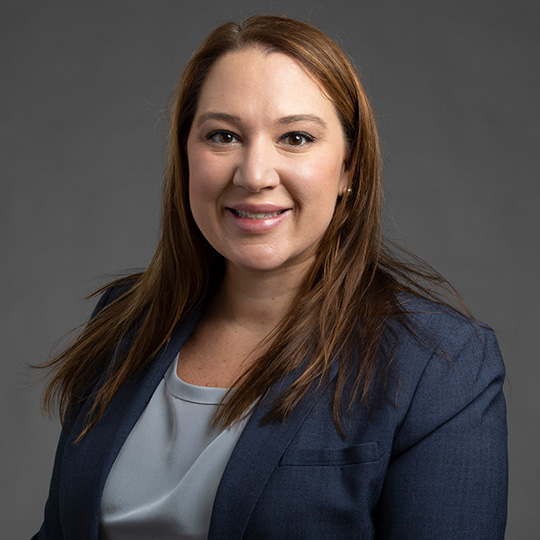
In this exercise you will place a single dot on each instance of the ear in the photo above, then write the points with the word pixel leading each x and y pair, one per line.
pixel 343 181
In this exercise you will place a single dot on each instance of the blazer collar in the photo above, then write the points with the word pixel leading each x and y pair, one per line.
pixel 86 465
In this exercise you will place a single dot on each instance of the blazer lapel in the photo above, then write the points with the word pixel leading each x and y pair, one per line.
pixel 253 460
pixel 86 465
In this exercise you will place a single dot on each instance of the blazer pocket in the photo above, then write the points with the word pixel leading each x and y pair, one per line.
pixel 349 455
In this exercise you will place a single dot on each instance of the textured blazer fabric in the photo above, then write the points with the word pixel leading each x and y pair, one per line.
pixel 431 464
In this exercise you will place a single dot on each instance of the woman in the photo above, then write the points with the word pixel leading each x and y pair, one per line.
pixel 275 373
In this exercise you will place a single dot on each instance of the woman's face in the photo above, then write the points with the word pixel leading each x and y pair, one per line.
pixel 266 155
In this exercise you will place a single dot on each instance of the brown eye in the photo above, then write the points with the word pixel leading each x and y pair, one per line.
pixel 297 138
pixel 222 137
pixel 225 138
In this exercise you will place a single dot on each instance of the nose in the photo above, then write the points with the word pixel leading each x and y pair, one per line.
pixel 257 167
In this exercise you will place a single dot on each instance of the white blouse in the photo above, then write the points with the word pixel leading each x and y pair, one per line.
pixel 164 480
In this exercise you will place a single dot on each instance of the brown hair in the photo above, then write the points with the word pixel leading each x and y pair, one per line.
pixel 345 302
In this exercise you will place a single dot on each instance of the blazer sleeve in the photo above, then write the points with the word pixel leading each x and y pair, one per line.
pixel 447 477
pixel 51 527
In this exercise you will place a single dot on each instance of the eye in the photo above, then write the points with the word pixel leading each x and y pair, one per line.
pixel 222 137
pixel 297 138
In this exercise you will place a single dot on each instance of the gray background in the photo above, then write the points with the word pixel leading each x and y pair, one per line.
pixel 83 88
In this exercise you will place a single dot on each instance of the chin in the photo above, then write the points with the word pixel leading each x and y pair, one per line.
pixel 258 266
pixel 271 262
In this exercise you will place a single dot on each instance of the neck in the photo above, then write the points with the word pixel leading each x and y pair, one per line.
pixel 256 300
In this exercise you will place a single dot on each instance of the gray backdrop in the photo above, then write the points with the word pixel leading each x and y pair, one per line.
pixel 83 87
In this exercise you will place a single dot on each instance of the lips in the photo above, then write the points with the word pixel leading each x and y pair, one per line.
pixel 257 218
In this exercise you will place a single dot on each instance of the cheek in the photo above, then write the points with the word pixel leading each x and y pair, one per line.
pixel 205 179
pixel 319 183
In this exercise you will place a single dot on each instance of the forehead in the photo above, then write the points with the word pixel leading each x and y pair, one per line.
pixel 256 80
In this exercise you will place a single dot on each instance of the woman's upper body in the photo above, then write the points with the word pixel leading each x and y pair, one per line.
pixel 373 412
pixel 430 465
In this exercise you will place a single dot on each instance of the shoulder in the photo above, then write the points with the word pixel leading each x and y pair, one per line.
pixel 437 330
pixel 113 291
pixel 439 319
pixel 450 366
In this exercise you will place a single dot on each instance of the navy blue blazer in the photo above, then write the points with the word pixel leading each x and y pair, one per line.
pixel 431 466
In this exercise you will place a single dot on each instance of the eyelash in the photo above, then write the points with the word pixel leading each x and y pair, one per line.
pixel 213 135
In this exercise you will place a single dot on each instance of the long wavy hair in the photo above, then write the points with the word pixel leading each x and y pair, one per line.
pixel 344 305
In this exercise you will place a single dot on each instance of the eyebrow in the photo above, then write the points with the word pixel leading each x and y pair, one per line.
pixel 302 118
pixel 291 119
pixel 217 116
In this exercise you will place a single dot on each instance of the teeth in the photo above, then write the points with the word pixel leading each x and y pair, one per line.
pixel 256 215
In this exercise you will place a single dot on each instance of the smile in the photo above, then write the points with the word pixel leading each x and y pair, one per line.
pixel 256 215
